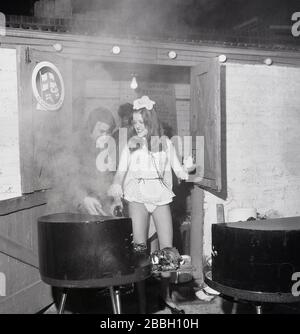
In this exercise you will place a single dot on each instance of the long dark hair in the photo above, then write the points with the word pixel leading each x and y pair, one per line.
pixel 100 115
pixel 156 140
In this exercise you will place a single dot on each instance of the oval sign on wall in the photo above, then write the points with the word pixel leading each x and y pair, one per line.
pixel 48 86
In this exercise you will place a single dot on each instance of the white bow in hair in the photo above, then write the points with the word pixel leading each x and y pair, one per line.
pixel 143 102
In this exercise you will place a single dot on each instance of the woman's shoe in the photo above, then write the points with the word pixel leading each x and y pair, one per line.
pixel 173 310
pixel 207 294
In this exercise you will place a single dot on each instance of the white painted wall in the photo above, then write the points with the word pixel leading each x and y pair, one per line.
pixel 10 180
pixel 263 143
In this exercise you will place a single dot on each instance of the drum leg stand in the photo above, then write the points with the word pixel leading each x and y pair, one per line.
pixel 234 306
pixel 142 296
pixel 258 308
pixel 62 302
pixel 115 297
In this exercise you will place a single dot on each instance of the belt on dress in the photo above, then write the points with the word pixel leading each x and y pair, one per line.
pixel 140 179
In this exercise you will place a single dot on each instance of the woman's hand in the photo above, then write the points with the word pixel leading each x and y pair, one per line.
pixel 115 190
pixel 183 175
pixel 117 208
pixel 93 206
pixel 188 164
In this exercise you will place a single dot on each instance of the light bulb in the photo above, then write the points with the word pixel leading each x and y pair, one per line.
pixel 222 58
pixel 58 47
pixel 172 54
pixel 268 61
pixel 116 50
pixel 133 84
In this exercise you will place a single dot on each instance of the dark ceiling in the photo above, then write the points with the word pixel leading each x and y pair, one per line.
pixel 215 14
pixel 179 18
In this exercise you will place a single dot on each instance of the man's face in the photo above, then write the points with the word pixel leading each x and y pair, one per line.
pixel 100 130
pixel 125 122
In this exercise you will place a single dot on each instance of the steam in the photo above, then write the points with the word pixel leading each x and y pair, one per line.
pixel 68 155
pixel 73 154
pixel 129 17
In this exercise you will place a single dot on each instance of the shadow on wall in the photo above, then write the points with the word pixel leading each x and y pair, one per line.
pixel 180 211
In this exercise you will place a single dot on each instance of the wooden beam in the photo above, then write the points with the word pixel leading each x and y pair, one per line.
pixel 189 53
pixel 18 252
pixel 25 122
pixel 29 300
pixel 21 203
pixel 196 236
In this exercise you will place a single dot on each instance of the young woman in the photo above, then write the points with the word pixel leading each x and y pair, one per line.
pixel 144 179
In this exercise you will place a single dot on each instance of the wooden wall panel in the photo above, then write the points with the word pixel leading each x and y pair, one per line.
pixel 34 215
pixel 25 293
pixel 26 300
pixel 51 128
pixel 18 274
pixel 19 225
pixel 206 121
pixel 25 122
pixel 183 117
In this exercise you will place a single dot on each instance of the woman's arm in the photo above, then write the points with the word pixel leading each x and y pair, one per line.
pixel 115 189
pixel 180 171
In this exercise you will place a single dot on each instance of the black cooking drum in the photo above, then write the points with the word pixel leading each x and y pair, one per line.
pixel 84 248
pixel 258 256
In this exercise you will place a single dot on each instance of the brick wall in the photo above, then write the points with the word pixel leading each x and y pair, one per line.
pixel 263 142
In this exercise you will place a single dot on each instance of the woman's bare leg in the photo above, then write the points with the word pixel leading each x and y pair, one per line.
pixel 153 244
pixel 140 222
pixel 164 225
pixel 140 226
